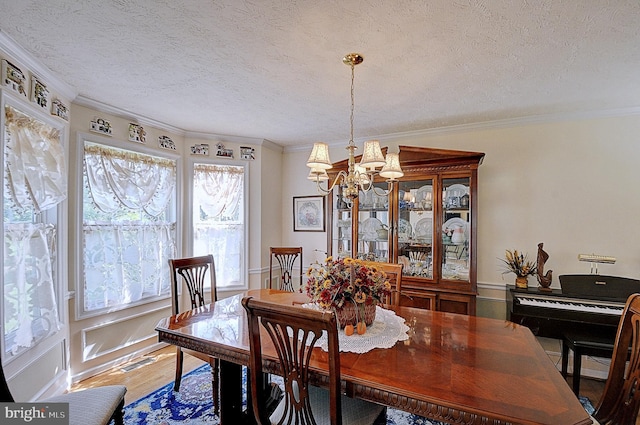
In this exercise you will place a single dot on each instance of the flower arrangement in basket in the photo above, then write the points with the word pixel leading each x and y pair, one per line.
pixel 350 287
pixel 519 264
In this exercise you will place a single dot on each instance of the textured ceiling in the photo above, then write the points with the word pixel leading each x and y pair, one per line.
pixel 273 69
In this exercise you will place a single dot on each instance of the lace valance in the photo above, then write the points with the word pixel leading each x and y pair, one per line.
pixel 36 170
pixel 218 190
pixel 123 178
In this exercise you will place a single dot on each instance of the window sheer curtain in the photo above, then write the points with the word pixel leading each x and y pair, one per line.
pixel 126 246
pixel 218 216
pixel 36 170
pixel 35 177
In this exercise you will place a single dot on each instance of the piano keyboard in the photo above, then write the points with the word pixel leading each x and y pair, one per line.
pixel 602 307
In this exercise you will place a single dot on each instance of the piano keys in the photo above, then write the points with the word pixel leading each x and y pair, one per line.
pixel 569 304
pixel 589 304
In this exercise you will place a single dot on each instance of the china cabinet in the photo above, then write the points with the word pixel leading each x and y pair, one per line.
pixel 427 222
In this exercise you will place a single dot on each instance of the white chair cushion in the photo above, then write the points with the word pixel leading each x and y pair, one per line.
pixel 354 411
pixel 92 406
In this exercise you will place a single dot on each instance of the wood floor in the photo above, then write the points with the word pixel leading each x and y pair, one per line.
pixel 160 369
pixel 154 371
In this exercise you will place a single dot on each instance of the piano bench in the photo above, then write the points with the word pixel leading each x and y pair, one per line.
pixel 583 345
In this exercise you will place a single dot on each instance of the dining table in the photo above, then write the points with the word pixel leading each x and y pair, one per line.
pixel 454 368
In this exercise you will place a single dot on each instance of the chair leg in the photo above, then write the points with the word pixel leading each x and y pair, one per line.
pixel 215 384
pixel 179 359
pixel 118 415
pixel 577 364
pixel 382 418
pixel 565 358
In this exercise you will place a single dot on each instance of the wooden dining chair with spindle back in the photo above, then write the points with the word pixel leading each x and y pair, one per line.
pixel 195 273
pixel 286 258
pixel 294 332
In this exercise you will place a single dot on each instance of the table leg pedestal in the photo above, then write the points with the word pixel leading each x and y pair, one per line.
pixel 231 412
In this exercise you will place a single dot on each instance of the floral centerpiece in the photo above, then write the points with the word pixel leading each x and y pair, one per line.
pixel 350 287
pixel 517 263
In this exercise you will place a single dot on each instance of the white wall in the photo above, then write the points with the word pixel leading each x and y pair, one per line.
pixel 295 183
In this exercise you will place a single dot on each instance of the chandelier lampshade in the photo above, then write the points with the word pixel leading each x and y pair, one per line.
pixel 372 155
pixel 391 169
pixel 318 174
pixel 319 158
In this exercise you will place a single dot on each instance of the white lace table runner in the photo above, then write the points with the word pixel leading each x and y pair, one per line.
pixel 385 331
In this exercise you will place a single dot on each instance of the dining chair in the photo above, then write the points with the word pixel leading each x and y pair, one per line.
pixel 394 274
pixel 194 272
pixel 620 400
pixel 294 331
pixel 286 258
pixel 96 406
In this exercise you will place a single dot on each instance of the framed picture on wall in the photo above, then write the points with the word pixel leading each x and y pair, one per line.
pixel 308 213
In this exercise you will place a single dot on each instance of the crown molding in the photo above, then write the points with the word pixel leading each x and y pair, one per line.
pixel 514 122
pixel 16 53
pixel 273 146
pixel 488 125
pixel 122 113
pixel 225 138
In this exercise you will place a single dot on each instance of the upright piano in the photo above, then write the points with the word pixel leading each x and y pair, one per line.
pixel 586 303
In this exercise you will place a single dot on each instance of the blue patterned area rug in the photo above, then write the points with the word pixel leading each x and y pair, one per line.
pixel 193 405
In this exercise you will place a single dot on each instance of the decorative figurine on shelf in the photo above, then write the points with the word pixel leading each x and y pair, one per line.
pixel 137 133
pixel 223 152
pixel 543 279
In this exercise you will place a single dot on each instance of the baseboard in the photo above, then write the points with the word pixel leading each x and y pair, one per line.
pixel 117 362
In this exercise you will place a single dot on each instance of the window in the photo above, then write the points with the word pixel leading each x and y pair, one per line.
pixel 219 222
pixel 128 228
pixel 34 183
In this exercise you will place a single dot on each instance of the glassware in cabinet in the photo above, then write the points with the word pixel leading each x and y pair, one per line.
pixel 342 233
pixel 373 225
pixel 456 230
pixel 415 227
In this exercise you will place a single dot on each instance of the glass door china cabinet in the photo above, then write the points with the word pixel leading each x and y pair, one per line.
pixel 427 222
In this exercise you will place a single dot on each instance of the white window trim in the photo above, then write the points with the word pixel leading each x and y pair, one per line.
pixel 78 190
pixel 62 275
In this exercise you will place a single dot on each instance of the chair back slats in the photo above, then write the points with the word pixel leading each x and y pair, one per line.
pixel 194 279
pixel 295 355
pixel 286 258
pixel 294 332
pixel 194 272
pixel 620 399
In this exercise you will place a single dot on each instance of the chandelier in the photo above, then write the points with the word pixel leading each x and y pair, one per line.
pixel 358 176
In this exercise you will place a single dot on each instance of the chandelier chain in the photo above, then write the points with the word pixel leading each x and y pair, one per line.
pixel 352 104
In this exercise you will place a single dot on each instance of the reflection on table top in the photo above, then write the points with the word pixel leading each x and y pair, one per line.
pixel 451 365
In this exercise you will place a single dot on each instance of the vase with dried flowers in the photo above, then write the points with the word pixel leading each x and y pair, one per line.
pixel 349 287
pixel 518 263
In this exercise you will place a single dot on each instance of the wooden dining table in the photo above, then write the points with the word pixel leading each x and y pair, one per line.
pixel 453 368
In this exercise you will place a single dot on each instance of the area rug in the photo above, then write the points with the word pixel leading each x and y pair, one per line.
pixel 193 405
